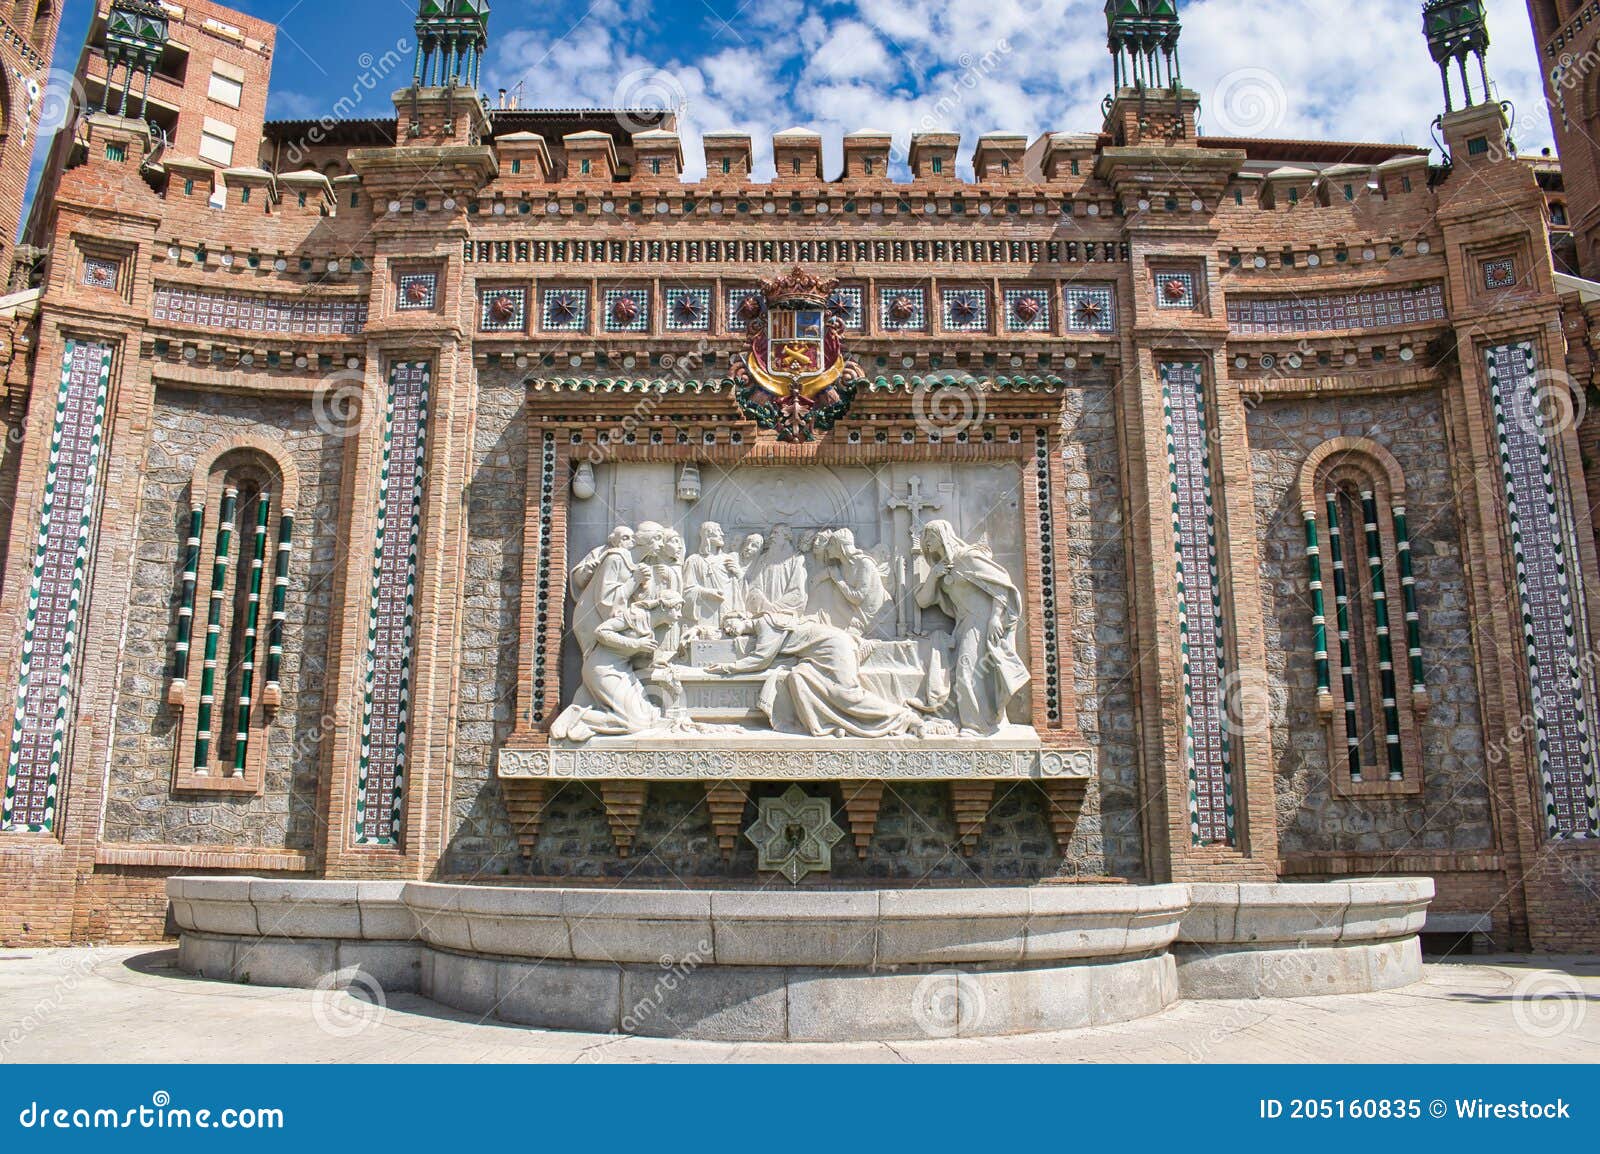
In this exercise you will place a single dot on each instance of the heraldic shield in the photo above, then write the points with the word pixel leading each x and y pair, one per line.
pixel 795 379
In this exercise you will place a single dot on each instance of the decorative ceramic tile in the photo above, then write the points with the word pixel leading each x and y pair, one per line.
pixel 1328 312
pixel 1045 503
pixel 688 310
pixel 258 314
pixel 1500 273
pixel 564 310
pixel 1200 622
pixel 50 627
pixel 966 310
pixel 744 305
pixel 1548 588
pixel 503 310
pixel 1175 290
pixel 902 309
pixel 1090 309
pixel 419 292
pixel 1027 310
pixel 627 310
pixel 547 503
pixel 391 622
pixel 100 273
pixel 845 303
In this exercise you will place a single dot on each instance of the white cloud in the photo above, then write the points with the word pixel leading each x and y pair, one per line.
pixel 1291 68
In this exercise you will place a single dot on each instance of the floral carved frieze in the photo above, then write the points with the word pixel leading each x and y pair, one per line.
pixel 821 761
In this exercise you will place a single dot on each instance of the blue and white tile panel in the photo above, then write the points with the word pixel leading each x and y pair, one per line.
pixel 1548 589
pixel 1336 312
pixel 391 625
pixel 1200 621
pixel 55 595
pixel 299 316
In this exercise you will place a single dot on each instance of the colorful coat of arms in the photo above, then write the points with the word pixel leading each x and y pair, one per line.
pixel 796 379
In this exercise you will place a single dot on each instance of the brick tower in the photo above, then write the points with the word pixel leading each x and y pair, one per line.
pixel 196 77
pixel 1567 38
pixel 27 40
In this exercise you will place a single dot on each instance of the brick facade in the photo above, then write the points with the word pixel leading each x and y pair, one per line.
pixel 1333 312
pixel 211 83
pixel 29 104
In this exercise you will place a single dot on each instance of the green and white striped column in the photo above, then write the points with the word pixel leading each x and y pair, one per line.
pixel 1380 618
pixel 191 570
pixel 252 619
pixel 1319 608
pixel 1347 668
pixel 280 597
pixel 208 671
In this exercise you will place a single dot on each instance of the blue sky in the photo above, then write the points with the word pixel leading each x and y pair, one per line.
pixel 1279 68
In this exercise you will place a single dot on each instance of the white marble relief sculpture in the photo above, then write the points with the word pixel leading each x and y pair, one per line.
pixel 850 588
pixel 968 584
pixel 778 585
pixel 804 629
pixel 602 585
pixel 710 578
pixel 613 698
pixel 821 692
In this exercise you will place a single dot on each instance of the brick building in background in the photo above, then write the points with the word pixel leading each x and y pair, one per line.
pixel 27 42
pixel 1309 574
pixel 1567 38
pixel 205 102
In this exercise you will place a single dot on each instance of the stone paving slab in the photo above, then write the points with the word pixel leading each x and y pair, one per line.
pixel 131 1004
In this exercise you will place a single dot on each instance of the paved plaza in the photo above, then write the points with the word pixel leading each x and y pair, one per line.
pixel 131 1004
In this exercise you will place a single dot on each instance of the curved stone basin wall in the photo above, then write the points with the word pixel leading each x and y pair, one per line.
pixel 807 965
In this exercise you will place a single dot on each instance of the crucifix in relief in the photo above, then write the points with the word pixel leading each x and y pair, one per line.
pixel 914 503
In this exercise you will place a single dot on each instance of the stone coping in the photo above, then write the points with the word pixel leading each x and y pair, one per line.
pixel 806 965
pixel 1306 913
pixel 851 928
pixel 1014 755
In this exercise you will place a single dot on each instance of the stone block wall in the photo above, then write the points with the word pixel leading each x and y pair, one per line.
pixel 481 838
pixel 915 838
pixel 1109 838
pixel 1453 812
pixel 142 807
